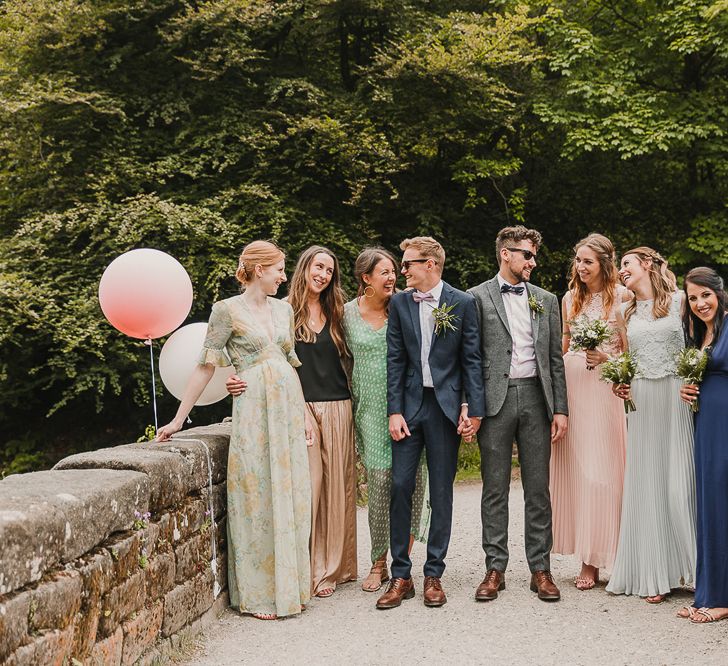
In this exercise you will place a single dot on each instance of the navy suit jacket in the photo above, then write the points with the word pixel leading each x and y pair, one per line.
pixel 455 357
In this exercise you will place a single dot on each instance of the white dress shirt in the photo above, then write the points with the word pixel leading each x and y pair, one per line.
pixel 523 352
pixel 427 328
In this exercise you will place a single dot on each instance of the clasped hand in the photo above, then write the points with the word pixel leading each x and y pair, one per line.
pixel 689 393
pixel 468 426
pixel 594 357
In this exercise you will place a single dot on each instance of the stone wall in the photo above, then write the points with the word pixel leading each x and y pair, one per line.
pixel 106 559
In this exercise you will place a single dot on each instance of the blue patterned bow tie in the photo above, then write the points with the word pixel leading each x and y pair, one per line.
pixel 420 296
pixel 505 288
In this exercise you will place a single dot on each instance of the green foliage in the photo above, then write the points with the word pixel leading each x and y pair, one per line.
pixel 150 432
pixel 468 462
pixel 20 456
pixel 195 127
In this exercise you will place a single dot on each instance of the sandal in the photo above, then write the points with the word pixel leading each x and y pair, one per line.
pixel 583 583
pixel 687 612
pixel 657 598
pixel 707 614
pixel 265 616
pixel 326 592
pixel 379 569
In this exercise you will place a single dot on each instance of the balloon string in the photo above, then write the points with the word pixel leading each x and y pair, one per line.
pixel 148 342
pixel 216 589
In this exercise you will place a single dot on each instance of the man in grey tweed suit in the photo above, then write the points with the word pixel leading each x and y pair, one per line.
pixel 525 396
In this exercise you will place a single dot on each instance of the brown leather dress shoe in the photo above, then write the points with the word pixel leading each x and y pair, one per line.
pixel 542 582
pixel 434 594
pixel 493 582
pixel 397 590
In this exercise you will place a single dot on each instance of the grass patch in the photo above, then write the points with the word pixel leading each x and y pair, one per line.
pixel 468 462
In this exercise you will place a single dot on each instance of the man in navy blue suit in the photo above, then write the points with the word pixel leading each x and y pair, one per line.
pixel 434 391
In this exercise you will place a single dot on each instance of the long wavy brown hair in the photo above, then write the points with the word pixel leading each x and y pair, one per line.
pixel 365 263
pixel 332 300
pixel 662 279
pixel 607 257
pixel 695 328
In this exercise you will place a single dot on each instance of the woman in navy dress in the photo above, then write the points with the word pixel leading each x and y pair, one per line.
pixel 705 328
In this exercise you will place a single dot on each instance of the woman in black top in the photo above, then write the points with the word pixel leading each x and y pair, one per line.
pixel 318 309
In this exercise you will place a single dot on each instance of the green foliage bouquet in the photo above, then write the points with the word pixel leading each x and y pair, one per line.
pixel 621 370
pixel 691 364
pixel 587 335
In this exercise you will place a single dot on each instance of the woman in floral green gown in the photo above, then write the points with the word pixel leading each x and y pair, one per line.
pixel 365 326
pixel 268 484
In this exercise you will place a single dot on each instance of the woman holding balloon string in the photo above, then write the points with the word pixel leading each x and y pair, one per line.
pixel 268 484
pixel 317 300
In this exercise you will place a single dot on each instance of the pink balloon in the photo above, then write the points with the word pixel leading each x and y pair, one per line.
pixel 145 293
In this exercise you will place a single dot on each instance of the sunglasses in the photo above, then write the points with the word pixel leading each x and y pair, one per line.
pixel 527 254
pixel 406 264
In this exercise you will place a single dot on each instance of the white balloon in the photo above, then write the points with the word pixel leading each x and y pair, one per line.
pixel 178 359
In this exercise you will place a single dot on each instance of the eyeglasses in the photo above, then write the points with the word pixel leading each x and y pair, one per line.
pixel 527 254
pixel 407 263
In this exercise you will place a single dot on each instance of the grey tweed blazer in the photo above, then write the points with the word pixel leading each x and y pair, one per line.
pixel 496 346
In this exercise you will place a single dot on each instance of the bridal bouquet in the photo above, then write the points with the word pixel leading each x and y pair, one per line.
pixel 621 370
pixel 587 335
pixel 691 363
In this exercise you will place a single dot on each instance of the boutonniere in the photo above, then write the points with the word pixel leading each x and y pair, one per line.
pixel 444 319
pixel 536 305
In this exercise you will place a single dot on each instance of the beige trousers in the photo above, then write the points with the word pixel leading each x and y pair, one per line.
pixel 332 463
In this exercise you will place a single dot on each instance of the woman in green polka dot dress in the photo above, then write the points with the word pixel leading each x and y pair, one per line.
pixel 365 327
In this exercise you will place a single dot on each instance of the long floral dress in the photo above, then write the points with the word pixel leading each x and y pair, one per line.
pixel 268 483
pixel 369 392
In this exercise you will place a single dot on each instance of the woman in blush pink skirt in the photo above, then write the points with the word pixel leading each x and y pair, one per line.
pixel 587 467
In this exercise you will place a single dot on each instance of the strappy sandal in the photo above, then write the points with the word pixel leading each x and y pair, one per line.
pixel 708 615
pixel 687 612
pixel 657 598
pixel 265 616
pixel 584 583
pixel 378 568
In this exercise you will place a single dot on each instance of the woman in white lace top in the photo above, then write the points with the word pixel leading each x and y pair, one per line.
pixel 657 549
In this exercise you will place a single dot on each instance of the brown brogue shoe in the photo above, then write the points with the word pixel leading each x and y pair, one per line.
pixel 397 590
pixel 434 594
pixel 493 582
pixel 542 582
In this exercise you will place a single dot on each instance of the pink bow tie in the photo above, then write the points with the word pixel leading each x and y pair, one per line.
pixel 420 296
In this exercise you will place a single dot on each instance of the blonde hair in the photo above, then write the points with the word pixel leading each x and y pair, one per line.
pixel 603 248
pixel 332 300
pixel 427 246
pixel 258 253
pixel 662 279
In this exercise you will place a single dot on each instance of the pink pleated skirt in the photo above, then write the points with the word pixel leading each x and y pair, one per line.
pixel 587 469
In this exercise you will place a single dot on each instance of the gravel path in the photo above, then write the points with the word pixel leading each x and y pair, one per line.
pixel 583 628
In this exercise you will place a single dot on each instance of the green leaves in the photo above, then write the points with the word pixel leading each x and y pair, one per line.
pixel 194 127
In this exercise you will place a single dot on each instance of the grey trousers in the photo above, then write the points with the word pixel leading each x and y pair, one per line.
pixel 523 419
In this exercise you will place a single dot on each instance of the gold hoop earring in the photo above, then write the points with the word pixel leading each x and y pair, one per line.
pixel 366 290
